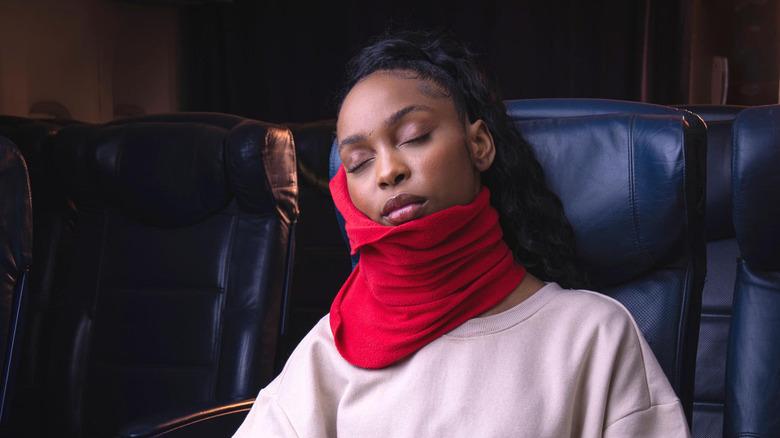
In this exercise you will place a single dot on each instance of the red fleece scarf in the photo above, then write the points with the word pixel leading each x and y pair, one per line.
pixel 418 280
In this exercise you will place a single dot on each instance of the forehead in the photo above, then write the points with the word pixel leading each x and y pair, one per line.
pixel 375 98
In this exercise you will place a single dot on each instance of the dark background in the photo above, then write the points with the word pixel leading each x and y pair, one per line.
pixel 282 61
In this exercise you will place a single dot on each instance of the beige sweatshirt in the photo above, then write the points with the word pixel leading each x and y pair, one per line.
pixel 562 363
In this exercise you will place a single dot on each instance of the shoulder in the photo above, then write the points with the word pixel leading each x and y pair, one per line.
pixel 585 306
pixel 639 390
pixel 588 298
pixel 316 350
pixel 302 397
pixel 606 324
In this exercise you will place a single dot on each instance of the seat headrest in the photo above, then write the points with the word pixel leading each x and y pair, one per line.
pixel 756 179
pixel 527 109
pixel 719 120
pixel 15 213
pixel 719 193
pixel 621 179
pixel 714 113
pixel 312 147
pixel 27 134
pixel 178 169
pixel 261 161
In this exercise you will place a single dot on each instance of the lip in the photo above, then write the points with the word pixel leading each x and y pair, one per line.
pixel 402 207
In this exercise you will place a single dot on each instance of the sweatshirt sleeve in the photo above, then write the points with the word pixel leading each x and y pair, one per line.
pixel 665 420
pixel 266 419
pixel 641 402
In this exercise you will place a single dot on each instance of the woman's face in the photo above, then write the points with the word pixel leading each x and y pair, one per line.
pixel 406 152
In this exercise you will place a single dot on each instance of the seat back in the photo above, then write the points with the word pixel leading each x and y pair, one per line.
pixel 717 295
pixel 753 367
pixel 52 233
pixel 321 258
pixel 15 260
pixel 630 183
pixel 180 260
pixel 661 282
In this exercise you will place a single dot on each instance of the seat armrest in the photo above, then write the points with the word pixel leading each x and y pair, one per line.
pixel 212 421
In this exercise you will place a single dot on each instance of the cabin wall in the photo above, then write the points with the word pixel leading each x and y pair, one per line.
pixel 93 57
pixel 738 37
pixel 107 59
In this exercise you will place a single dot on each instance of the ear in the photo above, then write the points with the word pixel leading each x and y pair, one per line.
pixel 481 146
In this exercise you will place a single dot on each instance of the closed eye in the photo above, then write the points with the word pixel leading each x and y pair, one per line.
pixel 418 139
pixel 356 167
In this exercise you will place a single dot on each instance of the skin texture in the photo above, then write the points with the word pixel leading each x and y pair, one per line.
pixel 408 154
pixel 399 136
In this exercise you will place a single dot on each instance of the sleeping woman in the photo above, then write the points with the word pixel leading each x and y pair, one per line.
pixel 462 317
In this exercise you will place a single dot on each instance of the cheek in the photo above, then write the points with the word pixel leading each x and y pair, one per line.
pixel 360 197
pixel 451 168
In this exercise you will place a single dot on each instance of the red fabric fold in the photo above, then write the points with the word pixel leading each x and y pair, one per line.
pixel 418 280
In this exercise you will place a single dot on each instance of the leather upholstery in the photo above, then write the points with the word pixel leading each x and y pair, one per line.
pixel 756 161
pixel 753 366
pixel 15 259
pixel 664 292
pixel 27 134
pixel 179 266
pixel 209 421
pixel 717 296
pixel 631 186
pixel 321 262
pixel 714 112
pixel 52 228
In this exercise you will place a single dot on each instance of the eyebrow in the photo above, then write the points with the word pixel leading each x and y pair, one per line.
pixel 392 120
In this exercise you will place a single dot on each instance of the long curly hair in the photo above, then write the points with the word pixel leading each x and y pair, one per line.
pixel 531 216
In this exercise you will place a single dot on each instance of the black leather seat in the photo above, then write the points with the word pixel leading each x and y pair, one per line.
pixel 182 239
pixel 753 367
pixel 670 324
pixel 15 259
pixel 717 295
pixel 321 263
pixel 631 181
pixel 52 227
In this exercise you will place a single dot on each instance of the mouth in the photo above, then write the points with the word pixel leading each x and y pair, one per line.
pixel 402 207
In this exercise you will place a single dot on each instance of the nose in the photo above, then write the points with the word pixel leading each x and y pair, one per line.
pixel 391 168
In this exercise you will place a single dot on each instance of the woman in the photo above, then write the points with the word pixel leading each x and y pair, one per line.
pixel 444 327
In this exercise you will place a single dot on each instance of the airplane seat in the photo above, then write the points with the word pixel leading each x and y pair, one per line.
pixel 321 261
pixel 183 226
pixel 718 292
pixel 16 230
pixel 51 229
pixel 663 290
pixel 753 365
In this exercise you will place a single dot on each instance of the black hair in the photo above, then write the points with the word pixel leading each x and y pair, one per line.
pixel 531 216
